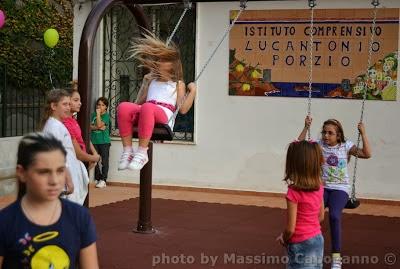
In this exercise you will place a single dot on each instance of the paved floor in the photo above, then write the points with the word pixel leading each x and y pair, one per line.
pixel 112 194
pixel 189 233
pixel 242 225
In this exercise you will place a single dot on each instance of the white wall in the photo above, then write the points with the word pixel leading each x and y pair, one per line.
pixel 240 142
pixel 81 11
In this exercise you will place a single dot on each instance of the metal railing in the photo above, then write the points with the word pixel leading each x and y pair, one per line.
pixel 122 77
pixel 20 109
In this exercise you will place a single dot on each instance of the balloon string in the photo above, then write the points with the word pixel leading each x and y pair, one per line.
pixel 50 76
pixel 51 80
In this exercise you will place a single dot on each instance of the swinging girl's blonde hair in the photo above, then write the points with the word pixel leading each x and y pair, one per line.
pixel 151 51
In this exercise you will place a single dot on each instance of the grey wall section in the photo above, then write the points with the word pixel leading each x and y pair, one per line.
pixel 8 157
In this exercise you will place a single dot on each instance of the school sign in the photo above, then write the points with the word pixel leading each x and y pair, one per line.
pixel 270 53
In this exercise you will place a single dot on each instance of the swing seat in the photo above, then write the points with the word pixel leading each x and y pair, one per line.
pixel 161 132
pixel 352 203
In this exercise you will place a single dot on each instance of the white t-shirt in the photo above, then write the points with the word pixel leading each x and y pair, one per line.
pixel 164 92
pixel 334 170
pixel 76 168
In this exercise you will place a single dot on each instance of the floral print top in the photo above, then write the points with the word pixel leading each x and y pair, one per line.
pixel 335 169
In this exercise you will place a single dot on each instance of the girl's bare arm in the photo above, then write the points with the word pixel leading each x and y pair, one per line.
pixel 307 125
pixel 142 95
pixel 82 155
pixel 188 102
pixel 365 151
pixel 291 221
pixel 88 257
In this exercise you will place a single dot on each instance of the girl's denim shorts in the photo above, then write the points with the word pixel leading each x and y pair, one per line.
pixel 307 254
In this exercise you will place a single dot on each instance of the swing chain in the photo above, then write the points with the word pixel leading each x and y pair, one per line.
pixel 375 3
pixel 188 5
pixel 371 41
pixel 310 73
pixel 242 8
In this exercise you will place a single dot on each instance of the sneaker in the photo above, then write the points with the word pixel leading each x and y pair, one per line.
pixel 138 161
pixel 124 160
pixel 336 263
pixel 101 184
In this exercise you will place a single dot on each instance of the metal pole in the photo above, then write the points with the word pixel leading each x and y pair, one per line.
pixel 144 223
pixel 4 102
pixel 85 60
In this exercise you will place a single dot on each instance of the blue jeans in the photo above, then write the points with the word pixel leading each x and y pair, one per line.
pixel 307 254
pixel 104 151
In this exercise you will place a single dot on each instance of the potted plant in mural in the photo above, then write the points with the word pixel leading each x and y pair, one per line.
pixel 245 79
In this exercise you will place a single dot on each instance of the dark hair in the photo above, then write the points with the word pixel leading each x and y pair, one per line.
pixel 53 96
pixel 104 100
pixel 32 144
pixel 338 127
pixel 303 165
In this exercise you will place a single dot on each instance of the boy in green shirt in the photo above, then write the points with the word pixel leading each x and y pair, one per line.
pixel 100 137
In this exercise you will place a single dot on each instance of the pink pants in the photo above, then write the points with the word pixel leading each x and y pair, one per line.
pixel 145 116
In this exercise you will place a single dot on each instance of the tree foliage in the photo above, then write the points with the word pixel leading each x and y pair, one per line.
pixel 22 49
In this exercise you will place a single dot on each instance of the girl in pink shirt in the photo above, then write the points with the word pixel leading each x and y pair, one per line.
pixel 76 133
pixel 305 208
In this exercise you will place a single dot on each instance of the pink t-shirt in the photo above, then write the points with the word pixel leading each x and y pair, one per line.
pixel 75 131
pixel 308 208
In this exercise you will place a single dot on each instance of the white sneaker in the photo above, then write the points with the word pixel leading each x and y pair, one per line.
pixel 138 161
pixel 125 159
pixel 101 184
pixel 336 263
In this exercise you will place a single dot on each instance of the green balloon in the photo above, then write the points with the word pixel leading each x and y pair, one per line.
pixel 51 37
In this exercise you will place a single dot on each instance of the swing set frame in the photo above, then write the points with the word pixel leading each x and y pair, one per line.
pixel 352 202
pixel 85 75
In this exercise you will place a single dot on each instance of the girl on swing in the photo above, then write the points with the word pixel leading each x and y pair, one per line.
pixel 337 151
pixel 161 91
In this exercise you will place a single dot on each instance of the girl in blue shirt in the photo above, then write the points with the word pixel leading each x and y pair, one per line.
pixel 40 230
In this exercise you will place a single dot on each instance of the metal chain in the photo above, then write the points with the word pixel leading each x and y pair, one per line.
pixel 188 5
pixel 242 8
pixel 310 72
pixel 375 3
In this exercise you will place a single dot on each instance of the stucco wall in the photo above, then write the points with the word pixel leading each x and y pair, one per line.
pixel 8 159
pixel 240 142
pixel 80 14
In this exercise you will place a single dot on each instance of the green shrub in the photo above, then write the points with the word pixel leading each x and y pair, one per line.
pixel 22 49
